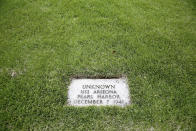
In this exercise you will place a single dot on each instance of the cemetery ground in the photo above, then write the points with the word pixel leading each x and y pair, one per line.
pixel 44 43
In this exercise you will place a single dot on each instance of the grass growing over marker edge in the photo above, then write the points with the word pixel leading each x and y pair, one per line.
pixel 45 42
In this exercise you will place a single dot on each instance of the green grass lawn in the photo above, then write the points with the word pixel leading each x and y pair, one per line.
pixel 43 43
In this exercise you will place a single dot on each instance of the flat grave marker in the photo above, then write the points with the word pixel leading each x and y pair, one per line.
pixel 99 92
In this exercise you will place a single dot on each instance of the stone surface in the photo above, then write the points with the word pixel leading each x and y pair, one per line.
pixel 98 92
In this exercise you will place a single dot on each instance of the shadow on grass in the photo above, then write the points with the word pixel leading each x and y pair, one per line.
pixel 193 3
pixel 1 3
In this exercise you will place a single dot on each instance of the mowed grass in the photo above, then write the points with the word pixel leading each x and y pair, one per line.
pixel 43 43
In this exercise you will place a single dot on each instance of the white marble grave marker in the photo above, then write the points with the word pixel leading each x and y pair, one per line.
pixel 99 92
